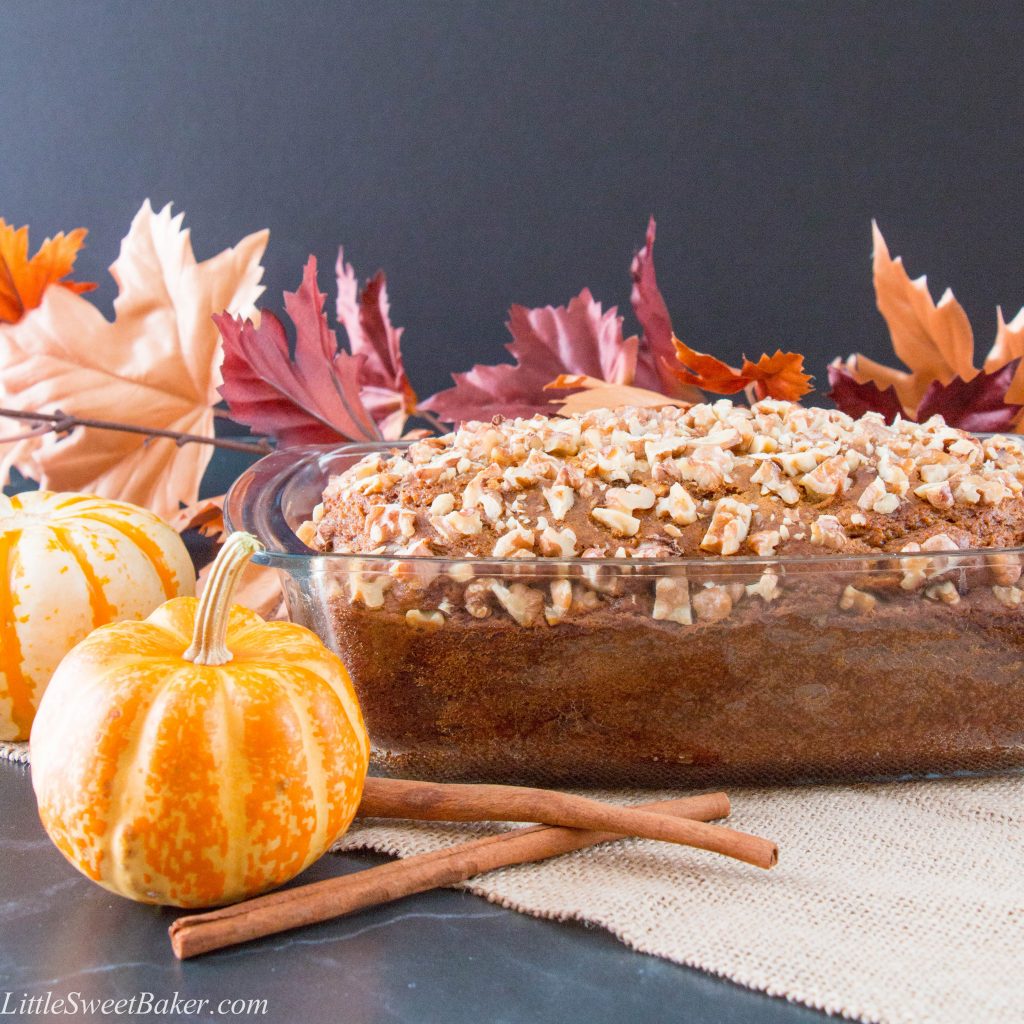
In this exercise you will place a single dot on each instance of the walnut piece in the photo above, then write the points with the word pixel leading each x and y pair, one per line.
pixel 523 603
pixel 854 600
pixel 728 529
pixel 417 619
pixel 672 600
pixel 622 524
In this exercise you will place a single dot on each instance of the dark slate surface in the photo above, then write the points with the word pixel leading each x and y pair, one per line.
pixel 441 957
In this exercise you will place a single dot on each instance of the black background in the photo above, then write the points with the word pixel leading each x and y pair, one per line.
pixel 491 152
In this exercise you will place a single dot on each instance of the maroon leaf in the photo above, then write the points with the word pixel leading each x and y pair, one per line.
pixel 579 338
pixel 386 391
pixel 978 404
pixel 311 399
pixel 856 398
pixel 657 355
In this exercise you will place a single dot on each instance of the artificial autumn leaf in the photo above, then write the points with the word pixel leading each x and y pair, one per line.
pixel 205 516
pixel 599 394
pixel 978 405
pixel 154 366
pixel 23 281
pixel 580 338
pixel 656 364
pixel 1009 345
pixel 933 340
pixel 773 376
pixel 313 398
pixel 936 344
pixel 856 397
pixel 384 386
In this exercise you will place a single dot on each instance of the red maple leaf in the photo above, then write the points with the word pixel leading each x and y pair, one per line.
pixel 978 404
pixel 385 388
pixel 311 399
pixel 579 339
pixel 855 397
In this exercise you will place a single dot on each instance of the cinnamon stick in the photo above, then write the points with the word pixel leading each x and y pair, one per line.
pixel 432 801
pixel 196 934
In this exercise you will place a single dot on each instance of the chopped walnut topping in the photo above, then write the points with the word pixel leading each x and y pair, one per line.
pixel 672 600
pixel 622 524
pixel 478 599
pixel 523 603
pixel 561 602
pixel 442 505
pixel 829 533
pixel 1009 596
pixel 945 592
pixel 678 506
pixel 854 600
pixel 764 542
pixel 454 525
pixel 368 588
pixel 828 478
pixel 307 533
pixel 554 543
pixel 767 587
pixel 939 494
pixel 560 498
pixel 1003 568
pixel 630 498
pixel 770 477
pixel 728 529
pixel 712 603
pixel 517 539
pixel 418 619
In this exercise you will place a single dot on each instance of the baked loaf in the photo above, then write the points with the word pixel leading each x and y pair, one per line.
pixel 685 597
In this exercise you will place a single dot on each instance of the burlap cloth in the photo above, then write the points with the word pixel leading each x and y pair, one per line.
pixel 892 903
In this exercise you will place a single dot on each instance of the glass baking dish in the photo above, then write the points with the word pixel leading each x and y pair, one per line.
pixel 686 672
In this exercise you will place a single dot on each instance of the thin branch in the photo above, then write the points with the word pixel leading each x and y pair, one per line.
pixel 431 418
pixel 61 423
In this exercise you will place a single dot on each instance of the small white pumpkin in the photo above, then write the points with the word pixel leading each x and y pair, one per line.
pixel 70 563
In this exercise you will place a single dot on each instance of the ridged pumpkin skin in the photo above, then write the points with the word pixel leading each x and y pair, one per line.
pixel 70 563
pixel 192 785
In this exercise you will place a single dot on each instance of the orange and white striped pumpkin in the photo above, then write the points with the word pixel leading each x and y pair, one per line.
pixel 202 755
pixel 70 563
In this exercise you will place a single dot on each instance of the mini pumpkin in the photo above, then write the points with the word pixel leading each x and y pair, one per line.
pixel 70 563
pixel 202 755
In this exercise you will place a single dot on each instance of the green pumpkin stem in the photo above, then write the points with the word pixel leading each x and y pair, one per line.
pixel 209 641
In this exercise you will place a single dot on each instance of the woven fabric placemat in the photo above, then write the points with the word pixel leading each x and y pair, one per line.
pixel 900 903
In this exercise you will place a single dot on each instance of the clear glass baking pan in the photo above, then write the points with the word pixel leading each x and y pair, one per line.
pixel 689 672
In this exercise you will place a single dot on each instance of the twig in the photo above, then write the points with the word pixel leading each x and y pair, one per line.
pixel 61 423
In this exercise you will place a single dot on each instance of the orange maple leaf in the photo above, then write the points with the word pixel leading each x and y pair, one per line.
pixel 23 280
pixel 157 364
pixel 776 376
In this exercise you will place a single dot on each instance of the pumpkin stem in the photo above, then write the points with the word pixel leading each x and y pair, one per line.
pixel 209 641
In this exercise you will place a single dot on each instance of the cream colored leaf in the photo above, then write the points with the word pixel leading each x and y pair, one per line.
pixel 599 394
pixel 934 341
pixel 156 365
pixel 1009 344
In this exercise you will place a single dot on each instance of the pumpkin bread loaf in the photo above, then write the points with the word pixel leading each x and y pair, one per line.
pixel 684 643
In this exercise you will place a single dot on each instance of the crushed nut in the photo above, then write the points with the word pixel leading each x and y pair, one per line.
pixel 1009 596
pixel 678 506
pixel 620 523
pixel 672 600
pixel 944 592
pixel 523 603
pixel 712 603
pixel 829 533
pixel 561 602
pixel 418 619
pixel 767 587
pixel 854 600
pixel 728 528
